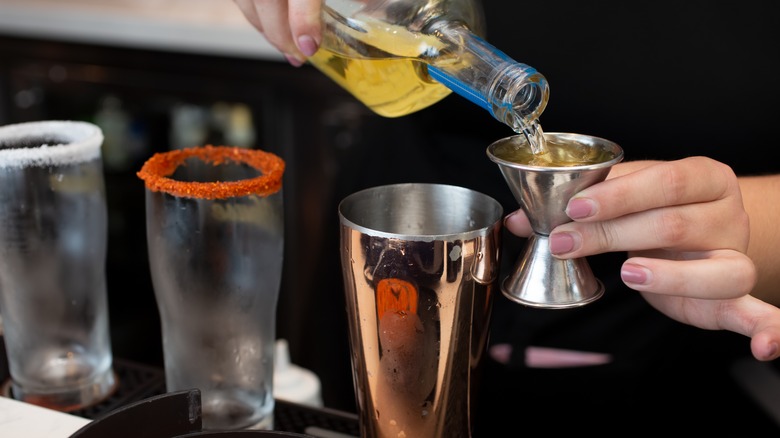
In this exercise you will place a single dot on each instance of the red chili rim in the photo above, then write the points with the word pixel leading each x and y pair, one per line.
pixel 156 172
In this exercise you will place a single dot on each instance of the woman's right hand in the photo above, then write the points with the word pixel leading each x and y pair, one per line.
pixel 294 27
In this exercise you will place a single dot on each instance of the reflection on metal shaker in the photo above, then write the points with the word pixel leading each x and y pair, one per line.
pixel 420 263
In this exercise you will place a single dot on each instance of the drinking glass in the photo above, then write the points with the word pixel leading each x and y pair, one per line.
pixel 215 234
pixel 420 263
pixel 53 242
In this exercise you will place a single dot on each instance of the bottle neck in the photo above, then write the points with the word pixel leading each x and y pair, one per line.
pixel 514 93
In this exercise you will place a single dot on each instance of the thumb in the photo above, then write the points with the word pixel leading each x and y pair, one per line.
pixel 517 223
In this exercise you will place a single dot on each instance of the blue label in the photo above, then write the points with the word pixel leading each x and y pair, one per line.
pixel 459 87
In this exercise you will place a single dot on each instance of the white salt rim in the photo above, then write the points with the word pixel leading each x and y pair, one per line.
pixel 83 141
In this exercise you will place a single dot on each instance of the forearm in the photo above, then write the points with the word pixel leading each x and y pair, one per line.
pixel 761 197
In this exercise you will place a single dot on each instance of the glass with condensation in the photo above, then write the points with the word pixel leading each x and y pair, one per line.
pixel 215 235
pixel 53 243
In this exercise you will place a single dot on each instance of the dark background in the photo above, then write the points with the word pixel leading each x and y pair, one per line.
pixel 664 79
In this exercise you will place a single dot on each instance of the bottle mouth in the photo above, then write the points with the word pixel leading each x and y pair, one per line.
pixel 525 94
pixel 531 99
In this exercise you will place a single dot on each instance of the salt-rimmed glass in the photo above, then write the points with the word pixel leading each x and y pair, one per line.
pixel 53 242
pixel 215 233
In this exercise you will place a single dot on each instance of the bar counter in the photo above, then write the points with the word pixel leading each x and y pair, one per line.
pixel 138 382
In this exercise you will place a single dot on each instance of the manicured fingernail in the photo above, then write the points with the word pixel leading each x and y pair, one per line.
pixel 307 45
pixel 580 208
pixel 295 62
pixel 561 243
pixel 635 274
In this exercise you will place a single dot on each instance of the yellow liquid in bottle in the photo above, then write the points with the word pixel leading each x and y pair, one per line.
pixel 380 66
pixel 391 87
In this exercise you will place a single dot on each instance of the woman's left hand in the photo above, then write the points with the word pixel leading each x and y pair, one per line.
pixel 686 233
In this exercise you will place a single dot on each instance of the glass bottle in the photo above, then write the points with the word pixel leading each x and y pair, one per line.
pixel 400 56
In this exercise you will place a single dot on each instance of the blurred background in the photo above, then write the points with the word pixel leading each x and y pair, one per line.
pixel 664 79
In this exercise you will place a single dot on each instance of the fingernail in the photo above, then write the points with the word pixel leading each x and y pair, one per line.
pixel 307 45
pixel 295 62
pixel 580 208
pixel 509 216
pixel 772 350
pixel 562 243
pixel 635 274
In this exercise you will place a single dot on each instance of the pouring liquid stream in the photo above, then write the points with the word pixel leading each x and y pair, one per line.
pixel 534 135
pixel 539 152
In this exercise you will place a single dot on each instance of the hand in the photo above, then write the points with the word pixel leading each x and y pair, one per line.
pixel 686 233
pixel 294 27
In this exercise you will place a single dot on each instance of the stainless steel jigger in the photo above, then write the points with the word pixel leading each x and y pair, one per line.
pixel 543 188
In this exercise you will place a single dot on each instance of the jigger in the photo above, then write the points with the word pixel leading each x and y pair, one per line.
pixel 543 184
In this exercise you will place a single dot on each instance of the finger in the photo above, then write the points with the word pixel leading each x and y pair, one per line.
pixel 274 20
pixel 306 25
pixel 626 167
pixel 690 180
pixel 764 344
pixel 247 7
pixel 695 227
pixel 720 274
pixel 746 315
pixel 756 319
pixel 517 223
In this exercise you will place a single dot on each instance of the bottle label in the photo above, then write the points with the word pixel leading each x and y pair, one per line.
pixel 460 87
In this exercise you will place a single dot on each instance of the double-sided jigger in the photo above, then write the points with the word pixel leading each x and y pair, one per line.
pixel 543 185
